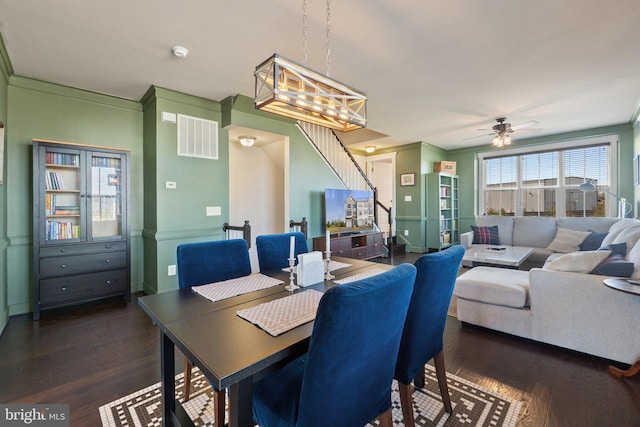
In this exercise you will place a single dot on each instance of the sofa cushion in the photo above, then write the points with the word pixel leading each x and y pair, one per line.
pixel 616 249
pixel 493 285
pixel 593 241
pixel 620 229
pixel 598 224
pixel 485 235
pixel 505 226
pixel 634 256
pixel 630 236
pixel 614 265
pixel 567 240
pixel 578 262
pixel 535 231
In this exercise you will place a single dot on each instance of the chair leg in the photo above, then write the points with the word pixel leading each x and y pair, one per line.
pixel 442 381
pixel 406 403
pixel 187 379
pixel 219 407
pixel 385 419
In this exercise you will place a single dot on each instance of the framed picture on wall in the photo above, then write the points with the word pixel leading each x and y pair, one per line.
pixel 407 179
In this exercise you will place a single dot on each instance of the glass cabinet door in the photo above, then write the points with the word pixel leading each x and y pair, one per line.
pixel 105 196
pixel 62 195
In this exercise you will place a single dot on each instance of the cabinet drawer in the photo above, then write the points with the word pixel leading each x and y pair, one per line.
pixel 65 265
pixel 359 252
pixel 86 248
pixel 82 286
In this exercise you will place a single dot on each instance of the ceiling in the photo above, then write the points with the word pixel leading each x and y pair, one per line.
pixel 434 71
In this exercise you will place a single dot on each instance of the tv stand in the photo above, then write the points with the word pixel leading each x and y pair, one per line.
pixel 361 245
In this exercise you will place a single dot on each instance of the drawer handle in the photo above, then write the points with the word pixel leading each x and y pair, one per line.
pixel 108 261
pixel 63 289
pixel 63 250
pixel 108 246
pixel 63 265
pixel 108 282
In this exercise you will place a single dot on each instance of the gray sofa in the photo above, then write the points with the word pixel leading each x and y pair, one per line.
pixel 567 309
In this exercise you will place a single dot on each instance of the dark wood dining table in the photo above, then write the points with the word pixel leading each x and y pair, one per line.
pixel 230 351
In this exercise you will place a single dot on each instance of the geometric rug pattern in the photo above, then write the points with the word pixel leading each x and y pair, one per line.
pixel 472 404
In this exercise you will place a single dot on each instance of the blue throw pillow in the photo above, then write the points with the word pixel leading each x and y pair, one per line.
pixel 616 249
pixel 615 266
pixel 485 235
pixel 593 241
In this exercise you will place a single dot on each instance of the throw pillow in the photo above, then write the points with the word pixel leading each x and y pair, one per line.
pixel 485 235
pixel 567 240
pixel 614 265
pixel 578 262
pixel 616 249
pixel 593 241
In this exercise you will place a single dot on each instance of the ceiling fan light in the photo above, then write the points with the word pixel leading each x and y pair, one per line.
pixel 507 140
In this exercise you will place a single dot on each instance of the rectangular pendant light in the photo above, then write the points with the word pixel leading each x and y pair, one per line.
pixel 289 89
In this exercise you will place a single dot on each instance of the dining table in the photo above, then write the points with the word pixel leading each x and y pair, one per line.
pixel 231 352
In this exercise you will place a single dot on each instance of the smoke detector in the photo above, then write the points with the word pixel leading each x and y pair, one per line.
pixel 179 51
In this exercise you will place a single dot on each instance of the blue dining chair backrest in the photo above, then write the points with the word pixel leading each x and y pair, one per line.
pixel 424 326
pixel 345 378
pixel 200 263
pixel 273 249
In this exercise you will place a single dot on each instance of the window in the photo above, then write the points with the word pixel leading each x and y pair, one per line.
pixel 545 183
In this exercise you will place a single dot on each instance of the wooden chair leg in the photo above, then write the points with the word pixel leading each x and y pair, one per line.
pixel 187 379
pixel 386 420
pixel 219 407
pixel 406 403
pixel 442 381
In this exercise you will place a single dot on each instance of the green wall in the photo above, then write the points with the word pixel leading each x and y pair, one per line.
pixel 46 111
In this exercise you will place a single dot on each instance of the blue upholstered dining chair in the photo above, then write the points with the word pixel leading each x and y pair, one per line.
pixel 345 378
pixel 422 337
pixel 273 249
pixel 209 262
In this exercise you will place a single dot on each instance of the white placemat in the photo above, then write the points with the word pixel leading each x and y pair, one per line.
pixel 233 287
pixel 333 265
pixel 284 314
pixel 368 273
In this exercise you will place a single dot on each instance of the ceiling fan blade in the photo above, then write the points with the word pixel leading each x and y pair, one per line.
pixel 478 136
pixel 526 130
pixel 525 125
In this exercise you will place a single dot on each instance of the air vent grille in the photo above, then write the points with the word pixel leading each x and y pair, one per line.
pixel 197 137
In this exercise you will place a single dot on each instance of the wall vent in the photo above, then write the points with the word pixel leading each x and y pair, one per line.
pixel 197 137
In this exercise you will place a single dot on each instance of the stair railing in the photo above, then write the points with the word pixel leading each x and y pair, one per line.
pixel 238 232
pixel 302 226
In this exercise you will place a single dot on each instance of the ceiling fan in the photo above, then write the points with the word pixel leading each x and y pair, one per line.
pixel 502 131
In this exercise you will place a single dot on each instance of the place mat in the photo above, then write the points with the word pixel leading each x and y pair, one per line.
pixel 360 276
pixel 333 266
pixel 284 314
pixel 233 287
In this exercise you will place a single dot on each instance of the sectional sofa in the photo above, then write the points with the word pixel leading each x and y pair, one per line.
pixel 565 308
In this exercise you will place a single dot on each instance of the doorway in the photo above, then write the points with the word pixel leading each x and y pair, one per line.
pixel 381 171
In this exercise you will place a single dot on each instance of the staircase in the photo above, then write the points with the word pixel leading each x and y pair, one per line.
pixel 340 160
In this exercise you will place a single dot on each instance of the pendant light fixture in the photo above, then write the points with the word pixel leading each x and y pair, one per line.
pixel 289 89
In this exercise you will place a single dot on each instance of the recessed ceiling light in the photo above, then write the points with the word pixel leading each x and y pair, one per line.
pixel 179 51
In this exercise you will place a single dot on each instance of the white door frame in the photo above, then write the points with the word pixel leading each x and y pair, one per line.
pixel 370 161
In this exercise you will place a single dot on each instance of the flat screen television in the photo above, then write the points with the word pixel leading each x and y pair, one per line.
pixel 348 211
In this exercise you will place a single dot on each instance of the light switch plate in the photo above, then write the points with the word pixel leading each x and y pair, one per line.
pixel 407 198
pixel 214 211
pixel 170 184
pixel 171 270
pixel 406 232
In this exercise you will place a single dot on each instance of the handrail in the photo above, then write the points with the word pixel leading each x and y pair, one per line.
pixel 302 224
pixel 246 230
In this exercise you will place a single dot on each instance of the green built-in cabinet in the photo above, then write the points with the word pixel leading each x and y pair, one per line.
pixel 442 211
pixel 81 243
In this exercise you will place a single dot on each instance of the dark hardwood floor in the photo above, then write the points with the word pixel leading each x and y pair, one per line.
pixel 89 355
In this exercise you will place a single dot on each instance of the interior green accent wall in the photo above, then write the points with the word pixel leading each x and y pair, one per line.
pixel 309 175
pixel 5 71
pixel 175 216
pixel 468 168
pixel 43 110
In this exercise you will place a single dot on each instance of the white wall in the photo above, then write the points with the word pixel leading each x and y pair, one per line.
pixel 256 190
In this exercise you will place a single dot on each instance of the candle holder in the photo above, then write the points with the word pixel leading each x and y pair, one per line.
pixel 291 286
pixel 327 262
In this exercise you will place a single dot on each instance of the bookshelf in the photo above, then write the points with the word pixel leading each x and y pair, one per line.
pixel 81 247
pixel 442 211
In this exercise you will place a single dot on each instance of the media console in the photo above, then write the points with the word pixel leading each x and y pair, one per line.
pixel 360 245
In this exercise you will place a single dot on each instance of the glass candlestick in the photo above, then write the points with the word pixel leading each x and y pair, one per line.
pixel 327 262
pixel 291 286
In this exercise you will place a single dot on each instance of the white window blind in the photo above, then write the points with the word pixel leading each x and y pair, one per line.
pixel 545 183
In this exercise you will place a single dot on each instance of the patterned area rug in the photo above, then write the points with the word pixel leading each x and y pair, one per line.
pixel 472 405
